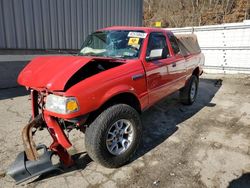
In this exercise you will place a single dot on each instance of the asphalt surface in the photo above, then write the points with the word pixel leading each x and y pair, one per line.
pixel 203 145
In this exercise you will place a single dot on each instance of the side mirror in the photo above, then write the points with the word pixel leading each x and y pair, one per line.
pixel 154 54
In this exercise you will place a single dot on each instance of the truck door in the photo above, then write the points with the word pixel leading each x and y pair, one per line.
pixel 156 66
pixel 177 69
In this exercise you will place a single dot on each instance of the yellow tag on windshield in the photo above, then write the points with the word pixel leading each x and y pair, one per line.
pixel 133 41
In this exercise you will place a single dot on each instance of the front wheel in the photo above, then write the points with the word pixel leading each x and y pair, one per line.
pixel 114 136
pixel 189 92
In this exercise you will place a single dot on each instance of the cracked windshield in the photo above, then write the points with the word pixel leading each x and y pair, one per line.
pixel 116 44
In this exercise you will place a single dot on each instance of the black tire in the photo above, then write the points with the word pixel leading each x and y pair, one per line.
pixel 185 93
pixel 96 135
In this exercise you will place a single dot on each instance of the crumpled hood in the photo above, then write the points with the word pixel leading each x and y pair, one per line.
pixel 51 72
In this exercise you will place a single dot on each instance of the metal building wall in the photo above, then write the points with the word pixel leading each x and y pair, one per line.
pixel 61 24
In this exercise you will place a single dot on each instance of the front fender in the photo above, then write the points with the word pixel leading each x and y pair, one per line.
pixel 93 92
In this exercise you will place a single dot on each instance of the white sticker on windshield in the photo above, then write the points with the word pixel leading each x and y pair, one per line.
pixel 137 34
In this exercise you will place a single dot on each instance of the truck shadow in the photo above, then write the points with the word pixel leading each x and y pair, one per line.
pixel 242 182
pixel 161 120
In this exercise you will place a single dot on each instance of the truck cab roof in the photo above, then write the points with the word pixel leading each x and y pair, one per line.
pixel 145 29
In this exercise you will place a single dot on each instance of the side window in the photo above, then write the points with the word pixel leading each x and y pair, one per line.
pixel 157 47
pixel 173 42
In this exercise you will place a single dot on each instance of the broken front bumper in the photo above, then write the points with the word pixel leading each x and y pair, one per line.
pixel 23 169
pixel 30 163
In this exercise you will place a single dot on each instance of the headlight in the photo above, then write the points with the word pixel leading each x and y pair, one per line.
pixel 61 105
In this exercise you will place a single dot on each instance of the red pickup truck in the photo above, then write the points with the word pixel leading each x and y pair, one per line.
pixel 118 73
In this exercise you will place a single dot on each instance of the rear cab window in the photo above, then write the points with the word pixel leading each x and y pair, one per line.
pixel 173 42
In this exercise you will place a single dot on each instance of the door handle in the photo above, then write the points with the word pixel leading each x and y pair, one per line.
pixel 174 65
pixel 137 76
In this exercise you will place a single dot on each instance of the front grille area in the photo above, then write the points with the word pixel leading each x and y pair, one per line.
pixel 38 102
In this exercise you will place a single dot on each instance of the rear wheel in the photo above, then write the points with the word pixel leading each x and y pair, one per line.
pixel 189 92
pixel 114 136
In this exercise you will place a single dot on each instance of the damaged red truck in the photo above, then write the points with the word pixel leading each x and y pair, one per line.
pixel 118 73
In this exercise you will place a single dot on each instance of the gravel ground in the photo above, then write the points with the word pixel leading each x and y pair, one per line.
pixel 203 145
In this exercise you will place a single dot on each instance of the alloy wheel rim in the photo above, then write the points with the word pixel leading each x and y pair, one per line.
pixel 193 91
pixel 119 137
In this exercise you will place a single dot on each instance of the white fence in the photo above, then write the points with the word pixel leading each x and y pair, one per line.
pixel 226 47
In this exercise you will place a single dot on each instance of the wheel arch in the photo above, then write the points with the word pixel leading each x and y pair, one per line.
pixel 123 98
pixel 118 98
pixel 196 72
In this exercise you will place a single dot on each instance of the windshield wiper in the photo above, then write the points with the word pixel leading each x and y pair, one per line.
pixel 125 57
pixel 92 55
